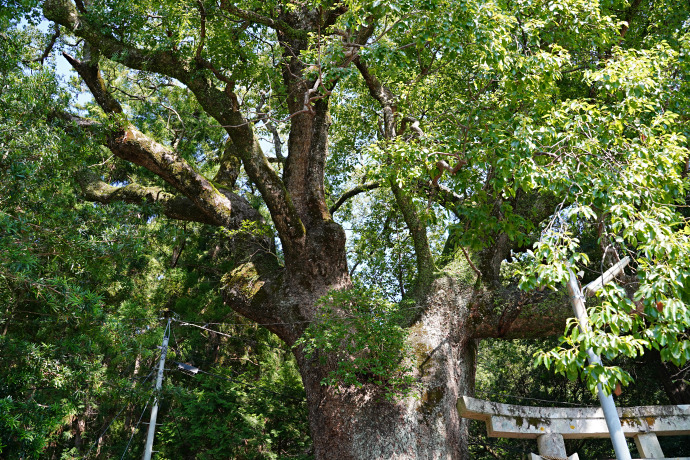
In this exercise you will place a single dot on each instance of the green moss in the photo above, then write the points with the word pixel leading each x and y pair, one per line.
pixel 62 12
pixel 420 350
pixel 460 269
pixel 244 278
pixel 430 399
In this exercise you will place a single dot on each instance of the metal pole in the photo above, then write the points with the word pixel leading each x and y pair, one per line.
pixel 611 273
pixel 620 446
pixel 159 383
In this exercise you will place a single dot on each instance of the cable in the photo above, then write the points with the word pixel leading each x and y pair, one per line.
pixel 347 317
pixel 181 366
pixel 177 426
pixel 184 323
pixel 106 429
pixel 176 347
pixel 136 427
pixel 541 400
pixel 246 384
pixel 283 349
pixel 116 416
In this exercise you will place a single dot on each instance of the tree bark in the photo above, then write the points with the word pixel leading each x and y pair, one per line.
pixel 351 423
pixel 360 423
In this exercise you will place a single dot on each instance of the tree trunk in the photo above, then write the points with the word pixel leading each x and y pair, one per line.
pixel 350 423
pixel 360 423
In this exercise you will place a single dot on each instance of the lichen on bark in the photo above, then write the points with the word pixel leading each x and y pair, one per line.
pixel 61 11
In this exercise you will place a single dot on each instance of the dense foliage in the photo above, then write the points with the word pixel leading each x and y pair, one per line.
pixel 362 331
pixel 317 166
pixel 83 289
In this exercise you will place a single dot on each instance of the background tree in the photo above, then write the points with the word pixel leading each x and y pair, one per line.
pixel 477 130
pixel 83 288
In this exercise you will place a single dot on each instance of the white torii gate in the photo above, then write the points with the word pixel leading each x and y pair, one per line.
pixel 551 425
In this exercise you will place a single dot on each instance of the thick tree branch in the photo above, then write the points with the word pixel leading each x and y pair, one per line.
pixel 425 260
pixel 173 206
pixel 221 105
pixel 511 313
pixel 257 18
pixel 354 192
pixel 383 95
pixel 202 32
pixel 132 145
pixel 91 75
pixel 253 290
pixel 229 169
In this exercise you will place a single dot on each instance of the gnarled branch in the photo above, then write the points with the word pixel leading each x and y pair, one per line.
pixel 221 105
pixel 173 206
pixel 91 75
pixel 354 192
pixel 179 208
pixel 132 145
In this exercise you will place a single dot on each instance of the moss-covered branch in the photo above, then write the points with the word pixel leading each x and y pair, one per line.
pixel 91 74
pixel 425 260
pixel 220 104
pixel 511 313
pixel 173 206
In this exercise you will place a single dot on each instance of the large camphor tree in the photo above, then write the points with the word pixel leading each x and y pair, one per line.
pixel 402 179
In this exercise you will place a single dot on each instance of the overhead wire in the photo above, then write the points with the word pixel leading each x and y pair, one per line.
pixel 246 384
pixel 136 427
pixel 283 348
pixel 285 323
pixel 238 382
pixel 171 410
pixel 117 415
pixel 177 426
pixel 551 401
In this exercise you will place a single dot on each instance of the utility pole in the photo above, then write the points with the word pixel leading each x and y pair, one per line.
pixel 620 446
pixel 159 383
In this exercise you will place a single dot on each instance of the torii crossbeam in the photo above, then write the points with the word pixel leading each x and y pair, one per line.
pixel 551 425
